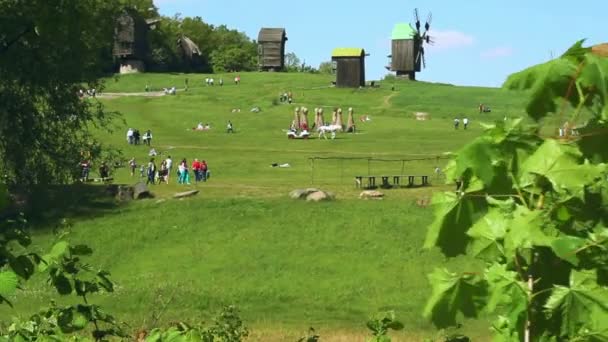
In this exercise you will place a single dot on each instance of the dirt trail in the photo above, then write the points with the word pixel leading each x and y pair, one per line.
pixel 143 94
pixel 386 103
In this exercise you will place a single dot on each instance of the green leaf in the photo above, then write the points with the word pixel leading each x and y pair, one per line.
pixel 547 82
pixel 566 248
pixel 576 51
pixel 8 283
pixel 59 249
pixel 79 321
pixel 561 165
pixel 23 266
pixel 594 78
pixel 507 295
pixel 487 235
pixel 454 215
pixel 480 158
pixel 62 284
pixel 104 281
pixel 581 305
pixel 525 231
pixel 452 294
pixel 593 140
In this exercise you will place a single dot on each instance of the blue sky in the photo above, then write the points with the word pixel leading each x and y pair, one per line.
pixel 478 42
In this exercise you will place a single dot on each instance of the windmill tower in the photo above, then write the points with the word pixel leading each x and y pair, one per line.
pixel 407 47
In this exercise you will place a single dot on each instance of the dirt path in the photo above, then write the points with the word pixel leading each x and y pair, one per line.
pixel 142 94
pixel 386 103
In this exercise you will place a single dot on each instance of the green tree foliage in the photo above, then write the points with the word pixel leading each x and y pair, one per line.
pixel 535 209
pixel 326 67
pixel 48 49
pixel 292 62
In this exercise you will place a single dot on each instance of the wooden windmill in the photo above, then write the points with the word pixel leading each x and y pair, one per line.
pixel 271 49
pixel 407 47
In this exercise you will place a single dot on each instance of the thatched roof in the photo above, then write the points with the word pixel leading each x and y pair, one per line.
pixel 403 31
pixel 272 35
pixel 189 47
pixel 600 49
pixel 348 52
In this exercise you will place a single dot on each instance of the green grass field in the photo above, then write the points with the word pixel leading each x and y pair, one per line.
pixel 288 265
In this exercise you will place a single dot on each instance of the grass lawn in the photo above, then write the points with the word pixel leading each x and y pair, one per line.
pixel 288 265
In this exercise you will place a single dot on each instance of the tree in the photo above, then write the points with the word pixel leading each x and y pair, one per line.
pixel 292 62
pixel 326 67
pixel 535 209
pixel 48 50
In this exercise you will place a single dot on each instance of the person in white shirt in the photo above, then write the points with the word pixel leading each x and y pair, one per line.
pixel 465 123
pixel 130 136
pixel 169 164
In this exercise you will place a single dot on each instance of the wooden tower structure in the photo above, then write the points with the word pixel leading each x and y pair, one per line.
pixel 349 64
pixel 271 49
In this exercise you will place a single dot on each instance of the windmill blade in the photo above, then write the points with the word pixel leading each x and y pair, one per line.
pixel 423 61
pixel 417 20
pixel 429 19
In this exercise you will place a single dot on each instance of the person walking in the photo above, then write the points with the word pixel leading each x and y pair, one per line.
pixel 169 163
pixel 229 127
pixel 456 123
pixel 196 169
pixel 132 166
pixel 151 172
pixel 465 123
pixel 204 170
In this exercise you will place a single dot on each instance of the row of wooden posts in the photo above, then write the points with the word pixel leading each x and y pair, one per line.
pixel 301 118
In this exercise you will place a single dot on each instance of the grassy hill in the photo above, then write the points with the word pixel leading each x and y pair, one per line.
pixel 288 265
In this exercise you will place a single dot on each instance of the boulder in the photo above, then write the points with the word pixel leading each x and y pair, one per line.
pixel 141 191
pixel 302 193
pixel 186 194
pixel 371 194
pixel 318 196
pixel 123 193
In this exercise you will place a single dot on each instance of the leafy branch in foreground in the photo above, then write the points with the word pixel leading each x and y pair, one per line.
pixel 68 274
pixel 535 210
pixel 380 325
pixel 227 327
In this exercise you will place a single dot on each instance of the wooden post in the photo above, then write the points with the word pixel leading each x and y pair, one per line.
pixel 528 323
pixel 312 171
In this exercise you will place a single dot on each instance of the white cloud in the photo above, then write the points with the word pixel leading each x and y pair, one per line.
pixel 497 52
pixel 449 39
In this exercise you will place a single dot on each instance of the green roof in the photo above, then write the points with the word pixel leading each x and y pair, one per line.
pixel 403 31
pixel 347 52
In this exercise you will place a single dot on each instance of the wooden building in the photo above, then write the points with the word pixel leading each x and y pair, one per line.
pixel 271 49
pixel 350 67
pixel 405 51
pixel 130 41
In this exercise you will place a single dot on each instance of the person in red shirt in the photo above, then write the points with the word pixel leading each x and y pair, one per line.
pixel 196 168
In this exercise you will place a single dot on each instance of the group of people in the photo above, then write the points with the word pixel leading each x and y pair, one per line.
pixel 134 136
pixel 211 82
pixel 465 123
pixel 85 170
pixel 201 127
pixel 286 97
pixel 160 174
